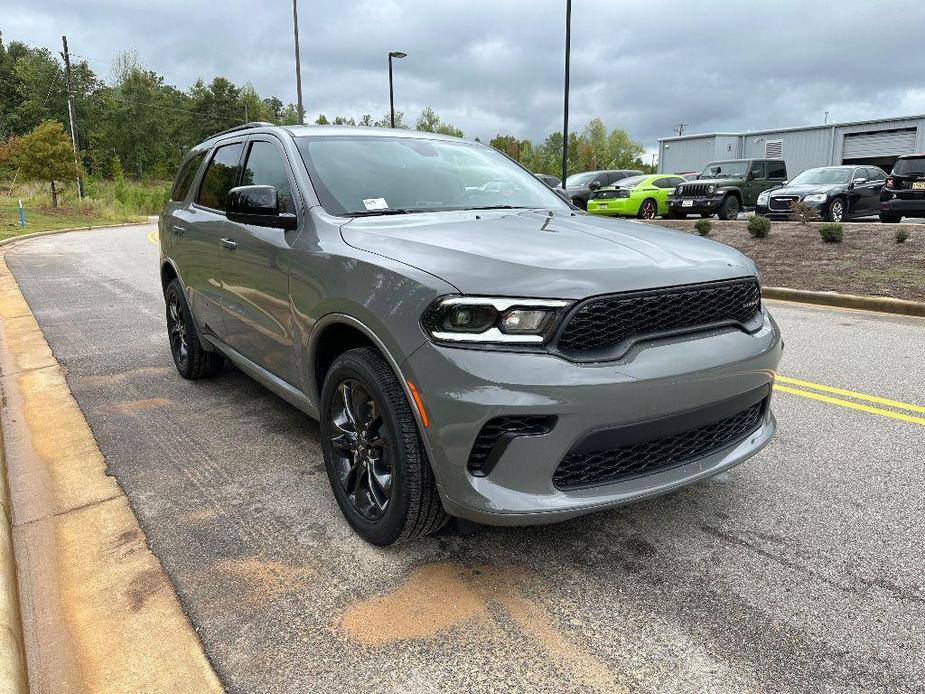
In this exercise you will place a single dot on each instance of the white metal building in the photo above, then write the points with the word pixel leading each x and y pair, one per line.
pixel 875 142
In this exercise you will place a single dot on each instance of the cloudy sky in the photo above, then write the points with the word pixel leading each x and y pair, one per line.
pixel 494 66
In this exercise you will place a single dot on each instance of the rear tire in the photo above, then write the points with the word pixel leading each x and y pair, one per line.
pixel 580 204
pixel 648 209
pixel 191 359
pixel 375 459
pixel 729 209
pixel 890 218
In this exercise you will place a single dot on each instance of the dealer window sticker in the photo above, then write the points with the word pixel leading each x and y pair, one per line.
pixel 376 204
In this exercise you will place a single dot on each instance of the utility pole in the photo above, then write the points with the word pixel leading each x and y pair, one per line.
pixel 298 67
pixel 568 50
pixel 680 127
pixel 72 114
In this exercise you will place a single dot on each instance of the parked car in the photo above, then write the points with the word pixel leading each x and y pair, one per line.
pixel 903 195
pixel 725 188
pixel 578 186
pixel 499 358
pixel 835 192
pixel 550 181
pixel 690 175
pixel 644 196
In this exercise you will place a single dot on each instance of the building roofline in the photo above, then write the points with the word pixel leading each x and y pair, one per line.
pixel 820 126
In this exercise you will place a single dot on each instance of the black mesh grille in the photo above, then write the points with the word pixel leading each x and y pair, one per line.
pixel 581 469
pixel 693 190
pixel 493 429
pixel 781 203
pixel 609 322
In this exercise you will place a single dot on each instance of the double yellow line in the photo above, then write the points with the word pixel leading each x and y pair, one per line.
pixel 855 401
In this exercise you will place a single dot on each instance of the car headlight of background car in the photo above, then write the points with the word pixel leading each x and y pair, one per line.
pixel 815 197
pixel 711 189
pixel 487 320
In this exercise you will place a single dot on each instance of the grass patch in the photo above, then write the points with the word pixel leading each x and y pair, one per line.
pixel 105 202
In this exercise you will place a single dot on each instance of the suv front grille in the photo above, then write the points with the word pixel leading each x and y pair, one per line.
pixel 693 190
pixel 607 326
pixel 497 433
pixel 586 469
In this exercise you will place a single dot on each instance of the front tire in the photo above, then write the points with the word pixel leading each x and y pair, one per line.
pixel 648 209
pixel 835 211
pixel 373 453
pixel 729 209
pixel 191 359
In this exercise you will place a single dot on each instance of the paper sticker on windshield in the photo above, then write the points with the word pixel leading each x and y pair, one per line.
pixel 376 204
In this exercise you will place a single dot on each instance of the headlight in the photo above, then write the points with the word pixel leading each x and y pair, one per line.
pixel 816 197
pixel 476 319
pixel 711 189
pixel 763 198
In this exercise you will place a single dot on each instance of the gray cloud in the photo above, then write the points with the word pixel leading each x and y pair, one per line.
pixel 491 66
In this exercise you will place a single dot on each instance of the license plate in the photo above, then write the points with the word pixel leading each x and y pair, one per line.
pixel 918 185
pixel 687 203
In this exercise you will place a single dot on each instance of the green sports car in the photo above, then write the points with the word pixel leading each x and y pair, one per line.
pixel 644 197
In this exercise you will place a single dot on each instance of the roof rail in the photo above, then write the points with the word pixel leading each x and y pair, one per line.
pixel 245 126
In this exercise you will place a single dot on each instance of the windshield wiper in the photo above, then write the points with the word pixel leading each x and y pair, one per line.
pixel 373 213
pixel 499 207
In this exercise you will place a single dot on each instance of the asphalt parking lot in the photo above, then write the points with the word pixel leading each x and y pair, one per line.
pixel 801 570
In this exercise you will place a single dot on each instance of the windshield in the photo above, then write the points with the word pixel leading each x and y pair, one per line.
pixel 579 179
pixel 822 177
pixel 364 175
pixel 910 167
pixel 734 169
pixel 630 182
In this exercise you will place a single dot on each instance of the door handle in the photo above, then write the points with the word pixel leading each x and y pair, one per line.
pixel 177 229
pixel 229 244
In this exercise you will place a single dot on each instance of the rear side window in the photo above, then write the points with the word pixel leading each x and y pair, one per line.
pixel 777 170
pixel 265 167
pixel 757 170
pixel 220 176
pixel 185 177
pixel 910 167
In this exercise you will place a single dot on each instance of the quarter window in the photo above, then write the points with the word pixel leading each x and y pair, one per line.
pixel 777 170
pixel 220 176
pixel 186 176
pixel 757 170
pixel 265 167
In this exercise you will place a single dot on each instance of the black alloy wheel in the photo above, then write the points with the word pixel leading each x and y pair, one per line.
pixel 648 209
pixel 176 331
pixel 362 449
pixel 192 360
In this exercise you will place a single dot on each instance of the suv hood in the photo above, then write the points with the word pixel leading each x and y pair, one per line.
pixel 532 254
pixel 716 181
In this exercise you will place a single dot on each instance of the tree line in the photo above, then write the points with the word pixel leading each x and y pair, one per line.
pixel 135 124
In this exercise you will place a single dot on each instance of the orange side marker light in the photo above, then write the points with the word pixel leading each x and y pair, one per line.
pixel 418 404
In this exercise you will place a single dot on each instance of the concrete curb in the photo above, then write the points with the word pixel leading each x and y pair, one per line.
pixel 13 673
pixel 51 232
pixel 879 304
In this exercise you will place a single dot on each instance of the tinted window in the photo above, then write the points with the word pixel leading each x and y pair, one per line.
pixel 910 167
pixel 265 167
pixel 630 181
pixel 777 169
pixel 876 174
pixel 186 176
pixel 219 177
pixel 757 170
pixel 663 183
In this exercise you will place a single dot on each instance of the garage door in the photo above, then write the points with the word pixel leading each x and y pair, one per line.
pixel 878 144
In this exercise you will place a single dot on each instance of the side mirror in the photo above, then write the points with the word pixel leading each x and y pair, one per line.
pixel 859 181
pixel 259 206
pixel 594 185
pixel 783 183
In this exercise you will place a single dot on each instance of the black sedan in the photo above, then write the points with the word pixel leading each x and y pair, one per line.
pixel 835 192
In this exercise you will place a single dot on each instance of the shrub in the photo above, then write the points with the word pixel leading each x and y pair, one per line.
pixel 759 227
pixel 802 213
pixel 901 235
pixel 832 233
pixel 703 226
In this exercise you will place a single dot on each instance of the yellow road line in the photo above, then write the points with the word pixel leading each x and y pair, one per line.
pixel 851 394
pixel 851 405
pixel 153 237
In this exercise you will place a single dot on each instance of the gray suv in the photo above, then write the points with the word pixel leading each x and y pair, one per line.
pixel 471 350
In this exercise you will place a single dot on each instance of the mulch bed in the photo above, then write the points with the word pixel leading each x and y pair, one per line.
pixel 868 261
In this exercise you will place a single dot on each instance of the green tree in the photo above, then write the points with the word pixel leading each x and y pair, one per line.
pixel 322 120
pixel 45 154
pixel 366 120
pixel 430 122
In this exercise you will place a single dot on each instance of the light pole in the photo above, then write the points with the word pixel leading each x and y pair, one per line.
pixel 298 68
pixel 568 50
pixel 393 54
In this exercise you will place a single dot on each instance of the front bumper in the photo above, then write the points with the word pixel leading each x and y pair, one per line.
pixel 464 388
pixel 707 204
pixel 786 215
pixel 613 206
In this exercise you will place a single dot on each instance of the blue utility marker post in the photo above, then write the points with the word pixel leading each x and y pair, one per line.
pixel 22 214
